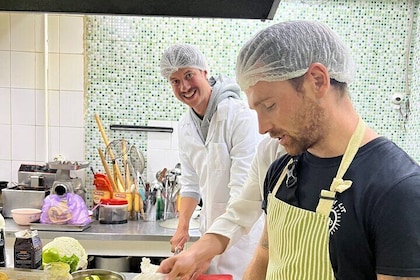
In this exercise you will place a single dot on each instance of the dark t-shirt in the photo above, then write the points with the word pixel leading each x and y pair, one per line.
pixel 375 225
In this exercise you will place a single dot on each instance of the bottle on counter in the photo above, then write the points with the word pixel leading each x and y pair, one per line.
pixel 2 241
pixel 2 249
pixel 159 205
pixel 2 223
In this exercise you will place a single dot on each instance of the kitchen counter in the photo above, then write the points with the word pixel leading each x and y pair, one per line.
pixel 135 238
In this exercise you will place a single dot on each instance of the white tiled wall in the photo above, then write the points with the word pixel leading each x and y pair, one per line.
pixel 162 149
pixel 22 92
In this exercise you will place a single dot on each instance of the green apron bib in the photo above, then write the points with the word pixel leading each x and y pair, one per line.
pixel 298 238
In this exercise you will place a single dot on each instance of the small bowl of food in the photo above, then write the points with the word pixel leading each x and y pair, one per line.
pixel 25 216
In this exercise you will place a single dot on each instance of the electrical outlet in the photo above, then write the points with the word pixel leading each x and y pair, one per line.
pixel 397 98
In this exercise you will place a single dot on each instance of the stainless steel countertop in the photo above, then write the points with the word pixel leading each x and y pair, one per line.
pixel 131 231
pixel 135 238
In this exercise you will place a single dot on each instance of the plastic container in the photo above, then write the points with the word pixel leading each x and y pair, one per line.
pixel 113 211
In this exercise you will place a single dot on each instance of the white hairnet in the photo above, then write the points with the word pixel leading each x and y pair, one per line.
pixel 285 51
pixel 181 56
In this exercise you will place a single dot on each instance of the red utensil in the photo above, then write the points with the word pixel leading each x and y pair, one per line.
pixel 102 182
pixel 215 277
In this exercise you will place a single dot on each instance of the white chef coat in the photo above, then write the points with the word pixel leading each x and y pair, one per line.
pixel 245 213
pixel 217 171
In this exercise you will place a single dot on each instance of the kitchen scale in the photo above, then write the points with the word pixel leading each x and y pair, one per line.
pixel 59 227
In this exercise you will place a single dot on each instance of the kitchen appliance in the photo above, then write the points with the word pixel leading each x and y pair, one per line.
pixel 64 183
pixel 15 197
pixel 34 176
pixel 34 184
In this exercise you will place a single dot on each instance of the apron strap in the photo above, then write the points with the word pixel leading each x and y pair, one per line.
pixel 352 148
pixel 327 197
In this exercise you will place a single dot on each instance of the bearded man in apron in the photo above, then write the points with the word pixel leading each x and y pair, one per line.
pixel 344 203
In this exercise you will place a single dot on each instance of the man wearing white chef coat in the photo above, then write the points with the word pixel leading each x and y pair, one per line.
pixel 218 136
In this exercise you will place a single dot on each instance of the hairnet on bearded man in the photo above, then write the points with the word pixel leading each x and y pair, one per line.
pixel 274 54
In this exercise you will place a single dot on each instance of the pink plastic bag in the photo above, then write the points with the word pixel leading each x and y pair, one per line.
pixel 68 208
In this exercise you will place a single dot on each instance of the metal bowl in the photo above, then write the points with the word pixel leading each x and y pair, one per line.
pixel 103 274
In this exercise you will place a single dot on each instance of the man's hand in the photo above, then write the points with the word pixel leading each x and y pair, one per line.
pixel 184 265
pixel 196 260
pixel 179 239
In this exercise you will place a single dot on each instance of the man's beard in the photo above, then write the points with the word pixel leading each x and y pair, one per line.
pixel 309 128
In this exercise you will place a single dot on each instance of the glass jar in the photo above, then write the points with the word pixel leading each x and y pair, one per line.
pixel 57 271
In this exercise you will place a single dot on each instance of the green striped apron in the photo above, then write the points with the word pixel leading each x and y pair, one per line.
pixel 298 238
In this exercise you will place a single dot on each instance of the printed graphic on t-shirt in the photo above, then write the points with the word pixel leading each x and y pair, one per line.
pixel 336 215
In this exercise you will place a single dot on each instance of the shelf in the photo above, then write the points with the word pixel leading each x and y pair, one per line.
pixel 141 128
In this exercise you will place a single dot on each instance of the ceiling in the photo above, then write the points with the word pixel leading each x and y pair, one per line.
pixel 240 9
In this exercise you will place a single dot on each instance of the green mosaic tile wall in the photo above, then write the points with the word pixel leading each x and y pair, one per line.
pixel 124 85
pixel 413 138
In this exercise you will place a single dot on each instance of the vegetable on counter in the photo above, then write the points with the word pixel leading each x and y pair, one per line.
pixel 67 250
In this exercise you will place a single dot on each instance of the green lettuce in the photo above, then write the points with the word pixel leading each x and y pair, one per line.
pixel 51 255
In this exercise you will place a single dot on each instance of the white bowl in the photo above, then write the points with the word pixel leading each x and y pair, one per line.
pixel 24 216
